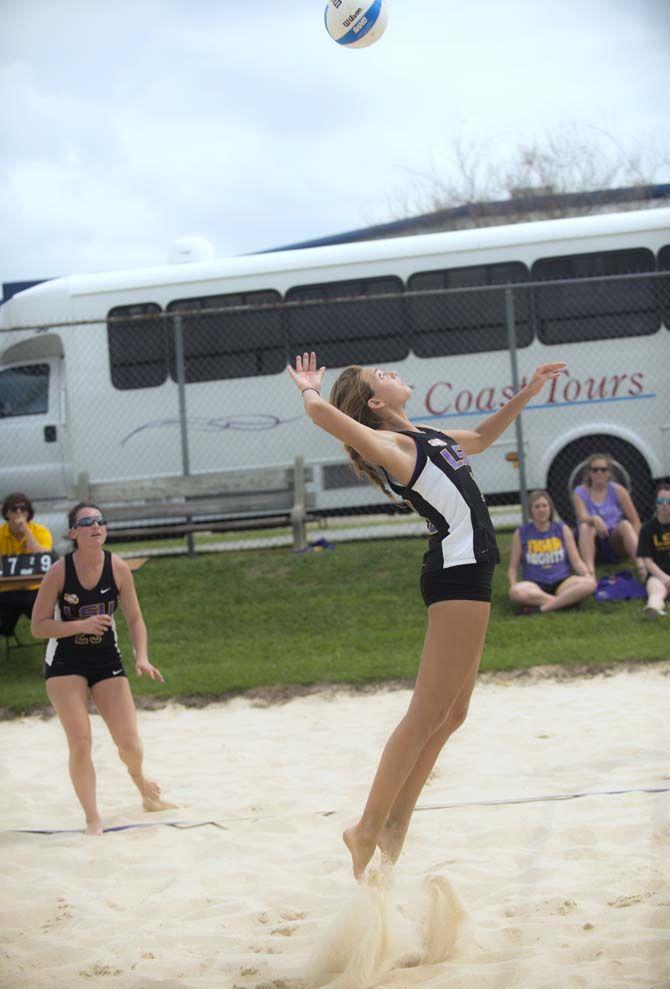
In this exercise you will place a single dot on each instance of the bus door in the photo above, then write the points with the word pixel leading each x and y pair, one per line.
pixel 32 428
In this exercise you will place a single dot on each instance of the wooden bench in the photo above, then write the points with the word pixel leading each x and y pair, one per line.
pixel 217 502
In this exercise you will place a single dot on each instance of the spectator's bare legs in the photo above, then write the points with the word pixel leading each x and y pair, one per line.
pixel 69 696
pixel 570 591
pixel 527 594
pixel 587 546
pixel 450 658
pixel 114 701
pixel 624 543
pixel 656 597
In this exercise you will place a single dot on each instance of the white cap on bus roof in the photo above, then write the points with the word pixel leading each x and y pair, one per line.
pixel 185 250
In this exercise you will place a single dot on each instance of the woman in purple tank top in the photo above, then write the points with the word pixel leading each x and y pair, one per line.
pixel 547 551
pixel 608 523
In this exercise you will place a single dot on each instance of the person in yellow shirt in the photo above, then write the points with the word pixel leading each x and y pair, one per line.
pixel 19 534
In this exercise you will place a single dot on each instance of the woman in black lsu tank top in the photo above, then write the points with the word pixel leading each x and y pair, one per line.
pixel 430 470
pixel 76 610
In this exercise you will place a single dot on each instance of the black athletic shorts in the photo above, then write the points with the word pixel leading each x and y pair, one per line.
pixel 470 582
pixel 550 588
pixel 93 670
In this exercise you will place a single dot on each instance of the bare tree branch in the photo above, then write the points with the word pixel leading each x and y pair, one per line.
pixel 574 159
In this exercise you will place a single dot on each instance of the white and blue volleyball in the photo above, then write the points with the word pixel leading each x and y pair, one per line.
pixel 356 25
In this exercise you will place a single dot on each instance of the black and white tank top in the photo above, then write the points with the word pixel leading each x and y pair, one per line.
pixel 76 603
pixel 443 491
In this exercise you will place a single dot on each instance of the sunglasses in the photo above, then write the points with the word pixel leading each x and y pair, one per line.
pixel 90 520
pixel 17 508
pixel 663 501
pixel 600 470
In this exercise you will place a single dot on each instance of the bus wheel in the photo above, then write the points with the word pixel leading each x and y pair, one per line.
pixel 630 469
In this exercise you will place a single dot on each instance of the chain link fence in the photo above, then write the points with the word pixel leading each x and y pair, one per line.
pixel 182 420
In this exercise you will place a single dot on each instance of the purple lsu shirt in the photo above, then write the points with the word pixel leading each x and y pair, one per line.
pixel 543 554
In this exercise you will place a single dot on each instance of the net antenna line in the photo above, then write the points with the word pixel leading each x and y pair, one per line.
pixel 188 826
pixel 544 798
pixel 179 825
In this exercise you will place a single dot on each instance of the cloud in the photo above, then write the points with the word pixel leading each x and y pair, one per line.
pixel 246 124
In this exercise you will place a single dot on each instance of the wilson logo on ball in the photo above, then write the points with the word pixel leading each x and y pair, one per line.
pixel 356 24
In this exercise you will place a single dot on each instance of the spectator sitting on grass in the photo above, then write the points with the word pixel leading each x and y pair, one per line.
pixel 607 520
pixel 546 549
pixel 654 549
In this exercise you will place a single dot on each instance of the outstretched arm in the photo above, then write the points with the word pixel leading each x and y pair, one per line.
pixel 479 439
pixel 377 446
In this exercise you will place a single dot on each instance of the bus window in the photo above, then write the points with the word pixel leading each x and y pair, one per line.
pixel 466 322
pixel 341 333
pixel 137 347
pixel 24 391
pixel 245 343
pixel 599 310
pixel 664 284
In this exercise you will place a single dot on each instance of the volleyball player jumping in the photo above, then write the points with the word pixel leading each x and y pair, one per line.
pixel 430 470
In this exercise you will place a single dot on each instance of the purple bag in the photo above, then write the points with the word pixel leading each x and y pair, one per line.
pixel 621 586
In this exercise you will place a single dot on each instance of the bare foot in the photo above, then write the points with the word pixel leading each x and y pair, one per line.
pixel 361 846
pixel 390 842
pixel 94 827
pixel 151 794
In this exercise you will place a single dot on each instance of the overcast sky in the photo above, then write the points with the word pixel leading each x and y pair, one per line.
pixel 128 124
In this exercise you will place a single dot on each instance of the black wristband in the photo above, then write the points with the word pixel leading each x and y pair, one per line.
pixel 310 388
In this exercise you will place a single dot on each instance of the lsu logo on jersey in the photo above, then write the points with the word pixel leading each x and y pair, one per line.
pixel 455 457
pixel 88 610
pixel 71 598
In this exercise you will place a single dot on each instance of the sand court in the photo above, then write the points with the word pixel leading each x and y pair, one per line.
pixel 571 893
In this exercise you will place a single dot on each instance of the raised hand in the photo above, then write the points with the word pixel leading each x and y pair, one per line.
pixel 21 524
pixel 544 373
pixel 306 374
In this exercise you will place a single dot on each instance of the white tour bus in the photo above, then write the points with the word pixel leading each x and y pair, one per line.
pixel 86 386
